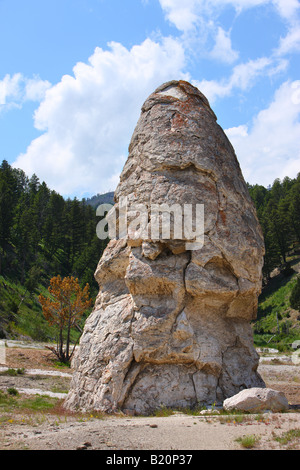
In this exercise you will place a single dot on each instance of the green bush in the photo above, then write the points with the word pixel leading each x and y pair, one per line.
pixel 12 391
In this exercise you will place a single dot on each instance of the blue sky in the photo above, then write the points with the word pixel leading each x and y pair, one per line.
pixel 75 73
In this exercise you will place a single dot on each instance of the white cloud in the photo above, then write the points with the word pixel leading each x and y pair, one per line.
pixel 182 14
pixel 186 14
pixel 287 8
pixel 200 18
pixel 270 148
pixel 35 89
pixel 9 88
pixel 243 77
pixel 223 49
pixel 291 42
pixel 16 89
pixel 88 118
pixel 237 133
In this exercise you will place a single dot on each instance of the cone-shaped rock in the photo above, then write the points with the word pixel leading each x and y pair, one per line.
pixel 171 323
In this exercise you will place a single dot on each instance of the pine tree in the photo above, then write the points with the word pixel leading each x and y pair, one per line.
pixel 295 295
pixel 8 198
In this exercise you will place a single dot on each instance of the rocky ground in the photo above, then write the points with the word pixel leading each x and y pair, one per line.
pixel 22 428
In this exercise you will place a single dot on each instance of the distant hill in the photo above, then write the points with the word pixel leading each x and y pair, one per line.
pixel 95 201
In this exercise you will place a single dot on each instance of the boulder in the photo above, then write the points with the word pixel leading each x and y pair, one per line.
pixel 180 278
pixel 256 400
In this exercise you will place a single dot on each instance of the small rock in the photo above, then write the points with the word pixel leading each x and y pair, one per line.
pixel 257 399
pixel 82 447
pixel 209 412
pixel 109 444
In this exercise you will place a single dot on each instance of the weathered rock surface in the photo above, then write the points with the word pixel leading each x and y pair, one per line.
pixel 257 399
pixel 171 325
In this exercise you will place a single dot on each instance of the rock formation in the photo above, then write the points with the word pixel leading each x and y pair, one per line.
pixel 171 323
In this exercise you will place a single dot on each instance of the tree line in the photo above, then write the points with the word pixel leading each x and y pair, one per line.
pixel 278 211
pixel 42 234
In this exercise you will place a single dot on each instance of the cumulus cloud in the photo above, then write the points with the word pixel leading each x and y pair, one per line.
pixel 291 42
pixel 185 15
pixel 182 14
pixel 87 119
pixel 223 50
pixel 9 88
pixel 242 77
pixel 16 89
pixel 200 18
pixel 288 9
pixel 35 89
pixel 269 148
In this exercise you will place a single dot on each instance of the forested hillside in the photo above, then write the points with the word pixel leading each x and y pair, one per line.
pixel 106 198
pixel 42 234
pixel 278 210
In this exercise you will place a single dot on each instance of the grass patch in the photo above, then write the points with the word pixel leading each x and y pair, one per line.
pixel 233 419
pixel 38 403
pixel 59 389
pixel 10 402
pixel 7 401
pixel 288 436
pixel 61 365
pixel 193 411
pixel 163 412
pixel 13 372
pixel 38 409
pixel 249 441
pixel 261 418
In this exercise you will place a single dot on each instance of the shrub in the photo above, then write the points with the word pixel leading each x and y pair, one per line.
pixel 12 391
pixel 248 441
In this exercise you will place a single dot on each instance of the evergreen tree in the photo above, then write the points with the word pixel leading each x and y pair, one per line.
pixel 295 295
pixel 8 199
pixel 278 210
pixel 294 208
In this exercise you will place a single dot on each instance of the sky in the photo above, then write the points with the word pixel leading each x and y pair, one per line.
pixel 75 73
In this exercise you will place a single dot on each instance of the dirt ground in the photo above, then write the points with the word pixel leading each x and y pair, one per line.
pixel 59 430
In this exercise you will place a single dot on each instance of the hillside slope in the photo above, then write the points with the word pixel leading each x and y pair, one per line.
pixel 95 201
pixel 21 315
pixel 278 325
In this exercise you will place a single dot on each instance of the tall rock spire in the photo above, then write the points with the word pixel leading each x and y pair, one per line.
pixel 179 281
